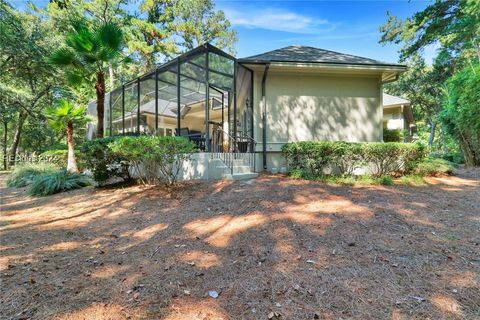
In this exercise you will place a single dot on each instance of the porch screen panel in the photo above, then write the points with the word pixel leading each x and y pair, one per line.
pixel 147 103
pixel 167 101
pixel 117 117
pixel 106 116
pixel 220 64
pixel 131 108
pixel 193 112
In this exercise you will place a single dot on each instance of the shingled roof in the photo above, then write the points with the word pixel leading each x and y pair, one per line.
pixel 389 100
pixel 310 54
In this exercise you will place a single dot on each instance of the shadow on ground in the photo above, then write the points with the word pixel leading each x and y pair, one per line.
pixel 271 247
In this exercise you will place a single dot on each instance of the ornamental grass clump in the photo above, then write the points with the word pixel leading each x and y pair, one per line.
pixel 57 181
pixel 23 175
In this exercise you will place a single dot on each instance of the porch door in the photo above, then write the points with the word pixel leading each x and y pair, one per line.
pixel 218 117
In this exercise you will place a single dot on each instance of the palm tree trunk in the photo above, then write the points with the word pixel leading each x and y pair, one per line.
pixel 16 138
pixel 71 162
pixel 100 90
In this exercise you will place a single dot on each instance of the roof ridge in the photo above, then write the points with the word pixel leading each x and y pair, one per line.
pixel 337 52
pixel 313 54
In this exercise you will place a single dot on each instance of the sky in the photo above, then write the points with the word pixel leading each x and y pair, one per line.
pixel 344 26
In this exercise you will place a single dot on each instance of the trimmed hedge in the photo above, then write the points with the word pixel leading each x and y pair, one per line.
pixel 392 135
pixel 315 158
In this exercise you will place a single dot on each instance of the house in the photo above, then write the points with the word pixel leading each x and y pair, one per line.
pixel 398 114
pixel 240 112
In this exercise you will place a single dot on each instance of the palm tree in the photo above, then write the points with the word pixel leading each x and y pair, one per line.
pixel 87 54
pixel 65 116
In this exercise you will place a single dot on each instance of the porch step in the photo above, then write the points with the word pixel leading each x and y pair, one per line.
pixel 240 176
pixel 242 169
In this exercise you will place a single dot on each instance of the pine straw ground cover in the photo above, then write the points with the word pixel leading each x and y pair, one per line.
pixel 273 248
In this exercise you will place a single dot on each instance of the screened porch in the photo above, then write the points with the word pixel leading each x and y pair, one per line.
pixel 203 95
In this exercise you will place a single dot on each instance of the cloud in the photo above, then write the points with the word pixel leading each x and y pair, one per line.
pixel 277 20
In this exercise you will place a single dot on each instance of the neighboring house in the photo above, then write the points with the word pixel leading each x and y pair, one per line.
pixel 397 114
pixel 256 104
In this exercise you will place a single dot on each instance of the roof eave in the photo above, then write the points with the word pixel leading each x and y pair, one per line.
pixel 319 64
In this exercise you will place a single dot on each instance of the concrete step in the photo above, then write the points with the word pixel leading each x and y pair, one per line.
pixel 240 176
pixel 240 162
pixel 242 169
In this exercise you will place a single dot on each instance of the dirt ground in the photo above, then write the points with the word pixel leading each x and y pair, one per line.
pixel 272 248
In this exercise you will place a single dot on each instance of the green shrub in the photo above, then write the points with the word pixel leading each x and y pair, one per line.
pixel 385 180
pixel 57 181
pixel 154 158
pixel 24 175
pixel 392 158
pixel 455 157
pixel 104 163
pixel 434 167
pixel 313 158
pixel 392 135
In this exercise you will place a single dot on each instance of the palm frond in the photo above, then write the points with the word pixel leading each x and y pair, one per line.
pixel 63 57
pixel 82 41
pixel 110 36
pixel 107 54
pixel 74 78
pixel 64 112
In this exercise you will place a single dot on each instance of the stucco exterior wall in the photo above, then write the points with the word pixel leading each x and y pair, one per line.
pixel 393 118
pixel 304 107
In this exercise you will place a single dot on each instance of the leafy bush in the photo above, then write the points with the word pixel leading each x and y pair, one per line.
pixel 392 157
pixel 25 174
pixel 312 159
pixel 104 163
pixel 151 155
pixel 461 113
pixel 455 157
pixel 434 167
pixel 392 135
pixel 57 181
pixel 385 180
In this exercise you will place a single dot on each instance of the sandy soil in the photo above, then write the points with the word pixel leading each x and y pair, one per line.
pixel 273 248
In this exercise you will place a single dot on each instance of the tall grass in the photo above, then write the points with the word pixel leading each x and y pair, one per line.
pixel 23 175
pixel 57 181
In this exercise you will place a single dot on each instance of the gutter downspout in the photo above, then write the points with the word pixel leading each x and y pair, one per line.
pixel 264 116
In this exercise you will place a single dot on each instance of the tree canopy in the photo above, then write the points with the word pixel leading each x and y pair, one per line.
pixel 439 93
pixel 153 31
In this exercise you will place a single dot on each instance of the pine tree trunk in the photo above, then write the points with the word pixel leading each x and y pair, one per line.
pixel 5 136
pixel 71 162
pixel 16 138
pixel 100 89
